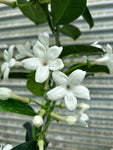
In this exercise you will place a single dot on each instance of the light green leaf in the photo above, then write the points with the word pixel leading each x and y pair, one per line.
pixel 34 87
pixel 15 106
pixel 87 16
pixel 80 50
pixel 66 11
pixel 34 12
pixel 71 31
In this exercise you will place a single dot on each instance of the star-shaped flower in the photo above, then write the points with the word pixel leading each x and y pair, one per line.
pixel 69 88
pixel 7 147
pixel 107 59
pixel 82 118
pixel 10 62
pixel 24 51
pixel 45 59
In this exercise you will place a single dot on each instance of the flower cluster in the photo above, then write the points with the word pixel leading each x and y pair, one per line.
pixel 49 69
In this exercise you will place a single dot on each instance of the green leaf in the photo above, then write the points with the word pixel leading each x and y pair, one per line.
pixel 70 31
pixel 34 87
pixel 87 16
pixel 88 68
pixel 80 50
pixel 34 11
pixel 66 11
pixel 15 106
pixel 32 145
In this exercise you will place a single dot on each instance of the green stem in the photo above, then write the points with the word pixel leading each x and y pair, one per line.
pixel 24 5
pixel 57 36
pixel 33 132
pixel 9 3
pixel 42 106
pixel 20 98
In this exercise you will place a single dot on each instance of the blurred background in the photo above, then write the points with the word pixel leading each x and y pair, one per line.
pixel 17 29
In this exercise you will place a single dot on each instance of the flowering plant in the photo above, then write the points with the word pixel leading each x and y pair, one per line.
pixel 46 74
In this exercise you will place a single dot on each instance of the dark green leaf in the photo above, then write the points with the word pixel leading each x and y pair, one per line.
pixel 16 107
pixel 88 68
pixel 36 88
pixel 66 11
pixel 34 12
pixel 32 145
pixel 70 31
pixel 18 75
pixel 29 135
pixel 80 50
pixel 87 16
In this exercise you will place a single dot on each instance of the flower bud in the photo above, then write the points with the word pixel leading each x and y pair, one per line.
pixel 70 120
pixel 9 3
pixel 41 144
pixel 83 106
pixel 5 93
pixel 38 121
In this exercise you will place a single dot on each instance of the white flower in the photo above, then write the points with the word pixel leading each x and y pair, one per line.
pixel 24 51
pixel 95 44
pixel 45 59
pixel 5 93
pixel 7 147
pixel 107 59
pixel 82 118
pixel 69 88
pixel 10 62
pixel 38 121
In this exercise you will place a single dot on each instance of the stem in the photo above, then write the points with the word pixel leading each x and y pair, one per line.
pixel 9 3
pixel 57 36
pixel 38 103
pixel 20 98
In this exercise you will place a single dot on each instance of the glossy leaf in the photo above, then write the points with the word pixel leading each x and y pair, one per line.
pixel 88 68
pixel 87 16
pixel 66 11
pixel 31 145
pixel 80 50
pixel 34 87
pixel 34 12
pixel 16 107
pixel 71 31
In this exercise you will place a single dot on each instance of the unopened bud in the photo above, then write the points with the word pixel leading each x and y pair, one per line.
pixel 83 106
pixel 5 93
pixel 41 144
pixel 38 121
pixel 70 120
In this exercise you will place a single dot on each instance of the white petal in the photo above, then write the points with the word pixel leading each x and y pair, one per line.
pixel 110 65
pixel 19 56
pixel 109 50
pixel 6 73
pixel 12 62
pixel 4 66
pixel 57 93
pixel 8 147
pixel 70 101
pixel 6 55
pixel 77 76
pixel 104 59
pixel 39 50
pixel 31 63
pixel 42 74
pixel 55 65
pixel 44 39
pixel 60 78
pixel 10 51
pixel 20 48
pixel 54 52
pixel 81 92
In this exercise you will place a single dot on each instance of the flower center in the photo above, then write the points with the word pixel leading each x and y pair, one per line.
pixel 45 64
pixel 68 87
